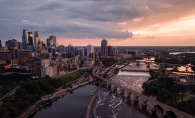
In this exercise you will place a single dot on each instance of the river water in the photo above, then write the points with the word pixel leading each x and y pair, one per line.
pixel 108 103
pixel 70 106
pixel 112 105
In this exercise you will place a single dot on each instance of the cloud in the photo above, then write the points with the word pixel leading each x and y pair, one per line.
pixel 152 37
pixel 75 29
pixel 52 5
pixel 94 18
pixel 165 5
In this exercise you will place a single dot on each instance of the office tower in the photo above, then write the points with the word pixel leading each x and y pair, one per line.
pixel 94 56
pixel 7 42
pixel 61 49
pixel 43 45
pixel 114 51
pixel 104 48
pixel 30 38
pixel 53 51
pixel 20 45
pixel 25 36
pixel 70 48
pixel 90 49
pixel 13 44
pixel 85 50
pixel 80 52
pixel 37 40
pixel 109 50
pixel 0 43
pixel 49 42
pixel 55 45
pixel 53 38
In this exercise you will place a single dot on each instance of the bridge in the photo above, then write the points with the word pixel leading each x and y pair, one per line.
pixel 138 97
pixel 148 62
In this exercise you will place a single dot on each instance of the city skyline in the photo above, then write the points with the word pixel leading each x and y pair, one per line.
pixel 122 23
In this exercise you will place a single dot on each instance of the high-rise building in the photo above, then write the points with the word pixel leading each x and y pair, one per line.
pixel 53 38
pixel 70 48
pixel 104 48
pixel 30 38
pixel 49 42
pixel 7 42
pixel 94 56
pixel 37 39
pixel 79 51
pixel 114 51
pixel 85 51
pixel 61 49
pixel 43 45
pixel 0 43
pixel 13 44
pixel 25 36
pixel 109 50
pixel 20 45
pixel 90 49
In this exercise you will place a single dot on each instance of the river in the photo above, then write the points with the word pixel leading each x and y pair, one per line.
pixel 70 106
pixel 112 105
pixel 107 105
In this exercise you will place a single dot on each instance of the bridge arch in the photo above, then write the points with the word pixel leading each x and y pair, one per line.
pixel 159 108
pixel 148 103
pixel 170 113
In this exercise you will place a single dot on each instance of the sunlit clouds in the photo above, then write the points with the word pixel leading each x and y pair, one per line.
pixel 80 22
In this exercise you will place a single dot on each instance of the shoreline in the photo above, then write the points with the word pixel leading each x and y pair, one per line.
pixel 91 102
pixel 33 108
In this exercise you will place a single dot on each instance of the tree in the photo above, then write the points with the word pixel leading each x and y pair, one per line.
pixel 163 95
pixel 9 98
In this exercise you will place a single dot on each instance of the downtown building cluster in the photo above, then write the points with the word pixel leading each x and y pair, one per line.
pixel 33 58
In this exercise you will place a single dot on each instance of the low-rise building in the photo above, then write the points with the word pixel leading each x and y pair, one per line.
pixel 88 62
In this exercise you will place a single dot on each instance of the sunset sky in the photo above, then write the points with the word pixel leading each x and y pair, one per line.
pixel 83 22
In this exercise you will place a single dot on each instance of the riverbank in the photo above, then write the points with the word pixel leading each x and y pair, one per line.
pixel 92 101
pixel 47 99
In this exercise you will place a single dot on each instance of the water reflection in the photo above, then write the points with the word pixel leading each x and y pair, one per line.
pixel 70 106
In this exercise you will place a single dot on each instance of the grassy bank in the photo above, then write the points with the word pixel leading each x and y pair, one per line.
pixel 85 80
pixel 71 77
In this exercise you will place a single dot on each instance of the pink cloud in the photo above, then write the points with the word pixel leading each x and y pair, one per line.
pixel 145 8
pixel 165 5
pixel 156 2
pixel 122 23
pixel 138 19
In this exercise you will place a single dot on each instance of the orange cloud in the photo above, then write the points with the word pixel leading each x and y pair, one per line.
pixel 165 5
pixel 138 19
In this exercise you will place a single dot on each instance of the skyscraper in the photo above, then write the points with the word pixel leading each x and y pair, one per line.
pixel 49 42
pixel 25 36
pixel 70 48
pixel 114 51
pixel 30 38
pixel 0 43
pixel 53 38
pixel 61 48
pixel 104 48
pixel 90 49
pixel 109 50
pixel 37 39
pixel 80 52
pixel 25 40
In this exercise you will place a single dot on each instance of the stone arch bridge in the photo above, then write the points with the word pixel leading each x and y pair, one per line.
pixel 138 97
